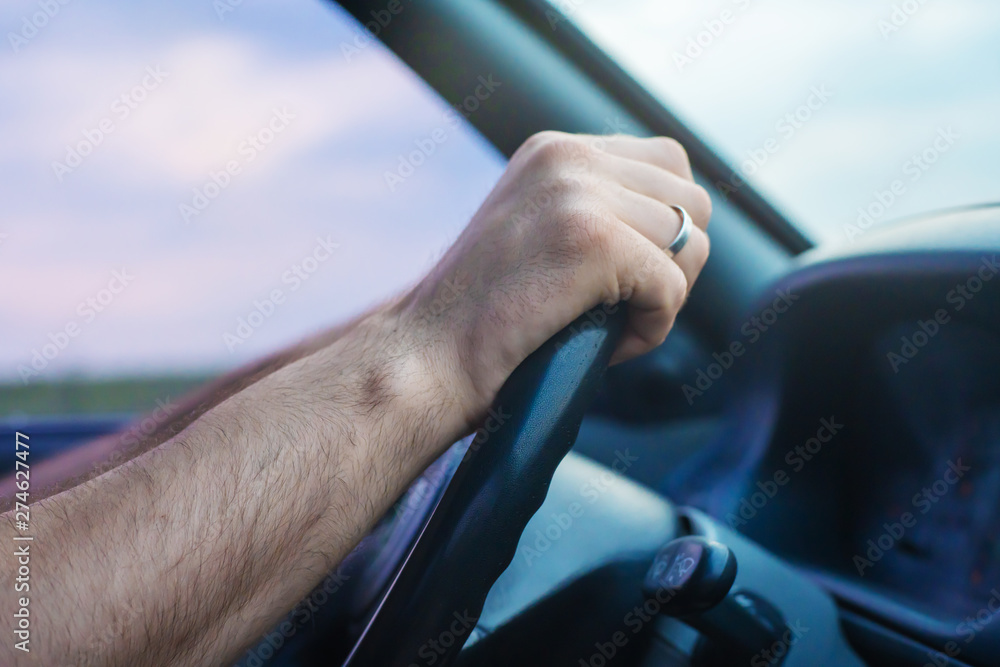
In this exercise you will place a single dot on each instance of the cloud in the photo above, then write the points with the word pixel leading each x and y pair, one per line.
pixel 322 176
pixel 891 93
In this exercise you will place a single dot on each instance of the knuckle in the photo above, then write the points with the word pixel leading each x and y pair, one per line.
pixel 551 149
pixel 539 138
pixel 673 150
pixel 564 189
pixel 573 184
pixel 532 144
pixel 549 136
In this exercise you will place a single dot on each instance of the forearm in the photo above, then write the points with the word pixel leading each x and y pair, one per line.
pixel 87 461
pixel 205 398
pixel 187 552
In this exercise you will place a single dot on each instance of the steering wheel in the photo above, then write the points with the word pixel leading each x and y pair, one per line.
pixel 472 534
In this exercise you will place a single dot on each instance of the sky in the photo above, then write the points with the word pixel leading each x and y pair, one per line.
pixel 169 168
pixel 884 78
pixel 200 85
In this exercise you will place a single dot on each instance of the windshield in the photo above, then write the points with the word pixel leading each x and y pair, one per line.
pixel 845 115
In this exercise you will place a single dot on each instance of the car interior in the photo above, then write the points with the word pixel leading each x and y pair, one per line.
pixel 805 473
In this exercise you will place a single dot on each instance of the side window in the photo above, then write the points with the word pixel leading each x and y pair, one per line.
pixel 190 185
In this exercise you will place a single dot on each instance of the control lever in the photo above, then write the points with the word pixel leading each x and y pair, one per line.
pixel 692 578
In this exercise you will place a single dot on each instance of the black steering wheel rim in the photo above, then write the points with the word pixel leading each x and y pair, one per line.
pixel 437 594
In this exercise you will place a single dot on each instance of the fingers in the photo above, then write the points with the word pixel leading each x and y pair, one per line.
pixel 663 186
pixel 654 175
pixel 633 184
pixel 661 152
pixel 573 222
pixel 660 224
pixel 655 288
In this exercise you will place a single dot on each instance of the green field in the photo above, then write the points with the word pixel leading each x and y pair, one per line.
pixel 92 396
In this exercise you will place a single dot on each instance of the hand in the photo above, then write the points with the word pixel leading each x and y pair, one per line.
pixel 255 498
pixel 573 222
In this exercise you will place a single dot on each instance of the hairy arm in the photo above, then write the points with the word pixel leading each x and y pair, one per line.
pixel 89 460
pixel 181 554
pixel 189 550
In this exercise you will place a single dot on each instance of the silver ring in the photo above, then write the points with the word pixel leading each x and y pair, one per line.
pixel 682 236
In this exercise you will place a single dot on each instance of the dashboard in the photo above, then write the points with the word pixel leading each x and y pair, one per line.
pixel 869 417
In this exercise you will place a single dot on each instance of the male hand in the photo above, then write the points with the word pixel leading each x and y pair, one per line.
pixel 573 222
pixel 218 530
